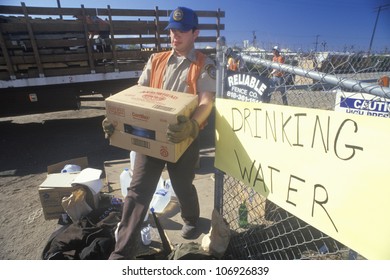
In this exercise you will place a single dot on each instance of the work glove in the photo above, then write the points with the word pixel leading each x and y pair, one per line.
pixel 108 128
pixel 183 129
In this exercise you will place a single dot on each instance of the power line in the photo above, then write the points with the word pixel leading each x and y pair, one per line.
pixel 376 21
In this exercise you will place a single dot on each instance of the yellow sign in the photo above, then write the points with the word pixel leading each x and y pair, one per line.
pixel 328 168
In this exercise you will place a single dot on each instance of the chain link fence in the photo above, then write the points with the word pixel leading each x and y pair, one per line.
pixel 311 80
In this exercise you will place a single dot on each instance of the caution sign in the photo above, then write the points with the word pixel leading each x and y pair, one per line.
pixel 362 104
pixel 245 87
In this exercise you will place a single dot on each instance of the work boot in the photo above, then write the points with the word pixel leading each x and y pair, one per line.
pixel 188 231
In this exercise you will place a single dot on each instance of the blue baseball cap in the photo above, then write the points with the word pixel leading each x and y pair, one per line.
pixel 183 19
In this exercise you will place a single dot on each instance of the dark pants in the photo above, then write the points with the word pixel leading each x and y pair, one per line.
pixel 146 174
pixel 278 84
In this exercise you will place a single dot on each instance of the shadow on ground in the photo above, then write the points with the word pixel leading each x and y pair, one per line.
pixel 28 148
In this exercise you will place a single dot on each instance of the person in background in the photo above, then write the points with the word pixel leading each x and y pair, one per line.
pixel 232 64
pixel 384 81
pixel 182 69
pixel 276 76
pixel 235 62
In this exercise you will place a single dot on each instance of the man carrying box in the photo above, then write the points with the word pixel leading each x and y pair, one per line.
pixel 182 69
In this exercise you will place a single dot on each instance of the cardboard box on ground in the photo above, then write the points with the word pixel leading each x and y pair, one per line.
pixel 141 116
pixel 59 185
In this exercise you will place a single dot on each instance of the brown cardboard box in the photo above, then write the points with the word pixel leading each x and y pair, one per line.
pixel 58 185
pixel 52 190
pixel 141 116
pixel 167 151
pixel 57 167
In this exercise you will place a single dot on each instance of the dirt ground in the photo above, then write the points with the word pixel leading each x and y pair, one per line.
pixel 28 145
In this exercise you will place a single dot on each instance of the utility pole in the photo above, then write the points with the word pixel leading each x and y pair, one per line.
pixel 59 6
pixel 323 44
pixel 316 43
pixel 376 21
pixel 254 39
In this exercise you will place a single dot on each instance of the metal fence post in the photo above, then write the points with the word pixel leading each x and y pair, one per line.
pixel 220 61
pixel 220 64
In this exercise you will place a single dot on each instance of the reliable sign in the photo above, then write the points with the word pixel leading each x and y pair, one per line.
pixel 245 87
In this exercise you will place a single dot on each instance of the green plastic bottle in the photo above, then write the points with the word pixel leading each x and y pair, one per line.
pixel 243 215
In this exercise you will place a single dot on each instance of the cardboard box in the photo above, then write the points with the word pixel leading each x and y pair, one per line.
pixel 58 185
pixel 167 151
pixel 57 167
pixel 52 190
pixel 141 116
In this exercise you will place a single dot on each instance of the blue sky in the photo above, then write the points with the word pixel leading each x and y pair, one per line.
pixel 296 24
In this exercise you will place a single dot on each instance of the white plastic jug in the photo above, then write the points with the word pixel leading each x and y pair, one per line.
pixel 125 180
pixel 132 161
pixel 146 236
pixel 71 168
pixel 168 185
pixel 161 197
